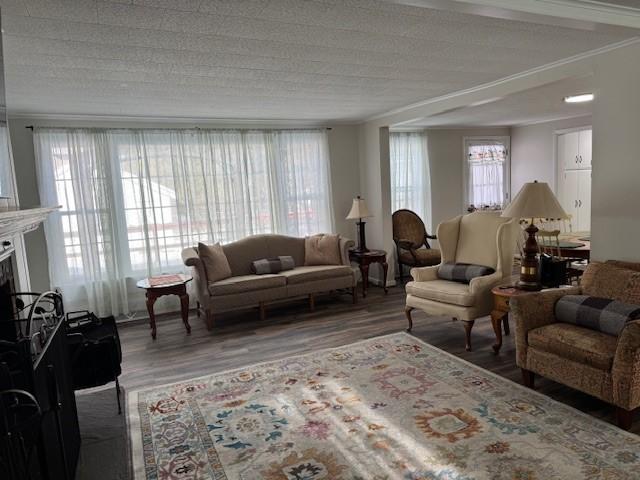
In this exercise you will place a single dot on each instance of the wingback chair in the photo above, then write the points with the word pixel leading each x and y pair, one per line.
pixel 410 235
pixel 602 365
pixel 479 238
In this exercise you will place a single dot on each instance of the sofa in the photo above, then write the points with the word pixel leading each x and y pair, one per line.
pixel 602 365
pixel 244 289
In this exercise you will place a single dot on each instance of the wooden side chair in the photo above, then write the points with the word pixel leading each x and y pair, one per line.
pixel 410 236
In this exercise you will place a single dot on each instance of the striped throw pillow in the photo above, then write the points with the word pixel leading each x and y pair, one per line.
pixel 462 272
pixel 602 314
pixel 272 265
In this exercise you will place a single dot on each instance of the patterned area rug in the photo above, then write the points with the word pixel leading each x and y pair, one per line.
pixel 391 407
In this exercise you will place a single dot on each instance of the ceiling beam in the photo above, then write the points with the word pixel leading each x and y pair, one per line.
pixel 590 15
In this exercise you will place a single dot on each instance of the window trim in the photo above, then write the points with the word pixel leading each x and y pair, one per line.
pixel 474 139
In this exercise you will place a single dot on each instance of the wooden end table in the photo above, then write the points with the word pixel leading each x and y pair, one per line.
pixel 155 288
pixel 364 259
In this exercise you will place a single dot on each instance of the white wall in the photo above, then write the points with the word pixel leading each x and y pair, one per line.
pixel 446 151
pixel 533 152
pixel 615 216
pixel 343 151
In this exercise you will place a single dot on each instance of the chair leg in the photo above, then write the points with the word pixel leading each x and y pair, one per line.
pixel 624 418
pixel 354 295
pixel 198 309
pixel 263 311
pixel 407 312
pixel 118 395
pixel 312 302
pixel 528 378
pixel 400 271
pixel 468 325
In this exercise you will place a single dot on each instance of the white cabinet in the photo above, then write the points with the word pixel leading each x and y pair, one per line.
pixel 574 177
pixel 575 149
pixel 576 198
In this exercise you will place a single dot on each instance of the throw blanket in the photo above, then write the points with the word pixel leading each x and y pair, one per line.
pixel 602 314
pixel 462 272
pixel 272 265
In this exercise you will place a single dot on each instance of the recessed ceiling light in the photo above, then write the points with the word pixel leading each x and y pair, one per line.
pixel 580 98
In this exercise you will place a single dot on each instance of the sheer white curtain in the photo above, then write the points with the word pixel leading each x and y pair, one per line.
pixel 133 199
pixel 410 178
pixel 486 174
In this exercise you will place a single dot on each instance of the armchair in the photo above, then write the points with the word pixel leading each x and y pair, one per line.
pixel 480 238
pixel 410 235
pixel 604 366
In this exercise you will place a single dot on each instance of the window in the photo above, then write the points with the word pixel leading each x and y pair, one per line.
pixel 486 172
pixel 133 199
pixel 410 186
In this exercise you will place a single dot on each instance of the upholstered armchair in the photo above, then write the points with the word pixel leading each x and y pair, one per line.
pixel 479 238
pixel 602 365
pixel 410 236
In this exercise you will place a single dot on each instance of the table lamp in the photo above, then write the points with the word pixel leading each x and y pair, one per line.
pixel 534 200
pixel 359 211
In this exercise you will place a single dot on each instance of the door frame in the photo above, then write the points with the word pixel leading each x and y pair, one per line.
pixel 504 139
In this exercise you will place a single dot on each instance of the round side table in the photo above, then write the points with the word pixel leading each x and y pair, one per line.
pixel 364 259
pixel 156 287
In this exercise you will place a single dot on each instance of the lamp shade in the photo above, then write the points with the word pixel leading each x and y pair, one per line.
pixel 358 209
pixel 535 200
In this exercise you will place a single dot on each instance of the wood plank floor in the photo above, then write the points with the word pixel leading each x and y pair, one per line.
pixel 240 339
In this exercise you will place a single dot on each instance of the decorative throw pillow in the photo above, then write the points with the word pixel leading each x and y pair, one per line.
pixel 216 265
pixel 611 281
pixel 322 249
pixel 596 313
pixel 272 265
pixel 462 272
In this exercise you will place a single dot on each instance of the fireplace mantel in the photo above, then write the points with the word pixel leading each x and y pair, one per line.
pixel 15 222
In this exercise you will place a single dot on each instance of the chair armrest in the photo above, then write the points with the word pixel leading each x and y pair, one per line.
pixel 532 311
pixel 200 283
pixel 345 245
pixel 478 285
pixel 431 237
pixel 425 274
pixel 626 367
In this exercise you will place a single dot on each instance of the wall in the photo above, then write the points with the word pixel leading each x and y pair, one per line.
pixel 445 161
pixel 615 217
pixel 533 152
pixel 343 150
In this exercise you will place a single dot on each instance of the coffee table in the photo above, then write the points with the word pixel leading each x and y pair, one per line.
pixel 156 287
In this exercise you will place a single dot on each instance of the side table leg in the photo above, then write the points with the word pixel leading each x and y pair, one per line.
pixel 385 269
pixel 151 299
pixel 496 322
pixel 364 270
pixel 505 321
pixel 184 306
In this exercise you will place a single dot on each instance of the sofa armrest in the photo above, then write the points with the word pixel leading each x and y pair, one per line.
pixel 626 367
pixel 532 311
pixel 191 259
pixel 425 274
pixel 345 245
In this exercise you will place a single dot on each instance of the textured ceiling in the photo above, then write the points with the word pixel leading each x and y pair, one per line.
pixel 260 59
pixel 531 106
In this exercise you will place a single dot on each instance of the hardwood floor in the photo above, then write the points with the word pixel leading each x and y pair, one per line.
pixel 240 339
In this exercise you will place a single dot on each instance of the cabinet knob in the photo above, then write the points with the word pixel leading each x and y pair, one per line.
pixel 579 203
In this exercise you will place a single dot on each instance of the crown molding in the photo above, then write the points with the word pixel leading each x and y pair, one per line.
pixel 508 79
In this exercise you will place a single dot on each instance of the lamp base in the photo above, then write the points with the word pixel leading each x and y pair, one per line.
pixel 362 243
pixel 530 267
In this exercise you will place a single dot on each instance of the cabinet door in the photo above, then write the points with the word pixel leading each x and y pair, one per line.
pixel 569 199
pixel 584 149
pixel 570 150
pixel 584 201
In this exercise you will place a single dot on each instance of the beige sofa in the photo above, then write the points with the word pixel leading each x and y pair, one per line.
pixel 245 289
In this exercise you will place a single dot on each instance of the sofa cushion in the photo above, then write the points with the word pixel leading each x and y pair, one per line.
pixel 609 280
pixel 602 314
pixel 246 283
pixel 443 291
pixel 312 273
pixel 322 249
pixel 575 343
pixel 462 272
pixel 216 265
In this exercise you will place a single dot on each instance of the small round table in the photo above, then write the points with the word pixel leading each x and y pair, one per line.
pixel 156 287
pixel 364 259
pixel 502 294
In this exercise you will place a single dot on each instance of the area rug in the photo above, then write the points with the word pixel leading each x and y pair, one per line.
pixel 391 407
